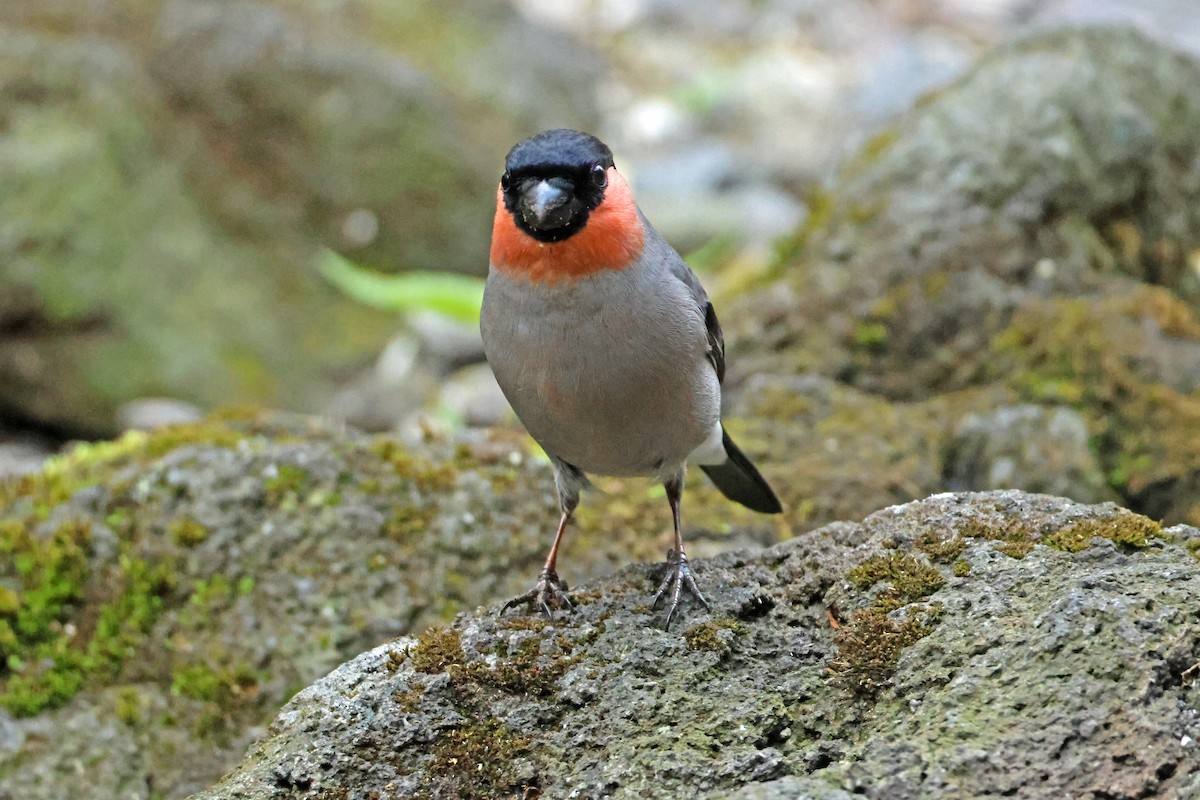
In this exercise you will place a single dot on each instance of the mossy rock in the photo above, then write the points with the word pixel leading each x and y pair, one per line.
pixel 1047 257
pixel 843 661
pixel 172 170
pixel 175 588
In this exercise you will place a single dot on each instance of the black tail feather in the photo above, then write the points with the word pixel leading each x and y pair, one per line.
pixel 740 481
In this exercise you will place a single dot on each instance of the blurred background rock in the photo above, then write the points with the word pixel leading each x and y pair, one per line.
pixel 171 169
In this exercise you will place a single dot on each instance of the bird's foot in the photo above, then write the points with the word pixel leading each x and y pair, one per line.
pixel 549 593
pixel 679 577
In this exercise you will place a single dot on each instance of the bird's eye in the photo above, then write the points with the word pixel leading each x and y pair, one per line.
pixel 600 176
pixel 505 180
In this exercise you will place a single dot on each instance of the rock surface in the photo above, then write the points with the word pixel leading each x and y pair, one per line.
pixel 904 656
pixel 171 170
pixel 1030 231
pixel 164 594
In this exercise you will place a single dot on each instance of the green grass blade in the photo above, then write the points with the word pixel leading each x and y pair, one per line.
pixel 458 296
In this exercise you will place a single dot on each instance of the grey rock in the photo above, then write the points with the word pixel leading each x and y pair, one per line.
pixel 1057 674
pixel 1028 230
pixel 287 545
pixel 22 455
pixel 1033 448
pixel 149 413
pixel 446 343
pixel 398 383
pixel 472 396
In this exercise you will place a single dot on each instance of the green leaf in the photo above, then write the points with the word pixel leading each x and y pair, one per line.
pixel 458 296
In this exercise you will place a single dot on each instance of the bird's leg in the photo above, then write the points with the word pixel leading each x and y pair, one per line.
pixel 551 590
pixel 679 574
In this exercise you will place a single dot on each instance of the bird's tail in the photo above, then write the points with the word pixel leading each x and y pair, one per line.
pixel 740 481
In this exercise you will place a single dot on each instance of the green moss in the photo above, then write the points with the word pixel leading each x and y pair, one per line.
pixel 1129 530
pixel 527 672
pixel 474 762
pixel 28 693
pixel 1193 547
pixel 208 597
pixel 129 706
pixel 961 568
pixel 437 650
pixel 287 484
pixel 789 248
pixel 122 624
pixel 870 645
pixel 39 668
pixel 87 464
pixel 939 547
pixel 429 476
pixel 870 335
pixel 47 658
pixel 1086 352
pixel 707 635
pixel 216 431
pixel 408 521
pixel 908 578
pixel 1013 538
pixel 1016 550
pixel 187 532
pixel 220 685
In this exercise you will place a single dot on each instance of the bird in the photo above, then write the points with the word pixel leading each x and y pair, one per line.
pixel 605 344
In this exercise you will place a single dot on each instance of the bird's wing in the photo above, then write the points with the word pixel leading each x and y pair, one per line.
pixel 716 340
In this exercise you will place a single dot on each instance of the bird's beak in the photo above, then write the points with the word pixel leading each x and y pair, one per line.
pixel 545 205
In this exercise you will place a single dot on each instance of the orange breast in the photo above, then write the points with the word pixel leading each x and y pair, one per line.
pixel 611 239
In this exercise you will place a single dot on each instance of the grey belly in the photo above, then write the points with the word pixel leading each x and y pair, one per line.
pixel 612 388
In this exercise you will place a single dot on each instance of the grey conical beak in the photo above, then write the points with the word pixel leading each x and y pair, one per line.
pixel 544 205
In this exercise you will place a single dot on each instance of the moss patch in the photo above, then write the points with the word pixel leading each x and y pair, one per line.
pixel 711 636
pixel 475 762
pixel 427 475
pixel 906 576
pixel 40 669
pixel 187 532
pixel 48 656
pixel 1086 352
pixel 870 643
pixel 68 620
pixel 476 759
pixel 1012 538
pixel 940 547
pixel 437 650
pixel 1132 531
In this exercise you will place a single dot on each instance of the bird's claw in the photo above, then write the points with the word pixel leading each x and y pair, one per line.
pixel 679 577
pixel 549 593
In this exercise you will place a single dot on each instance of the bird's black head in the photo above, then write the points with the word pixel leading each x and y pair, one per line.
pixel 553 180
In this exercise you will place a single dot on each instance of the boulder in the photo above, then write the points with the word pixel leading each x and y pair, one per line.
pixel 1030 229
pixel 171 169
pixel 973 645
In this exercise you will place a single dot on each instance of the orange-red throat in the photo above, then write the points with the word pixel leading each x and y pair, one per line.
pixel 612 238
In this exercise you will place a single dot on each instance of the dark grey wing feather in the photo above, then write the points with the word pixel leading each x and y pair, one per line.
pixel 716 339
